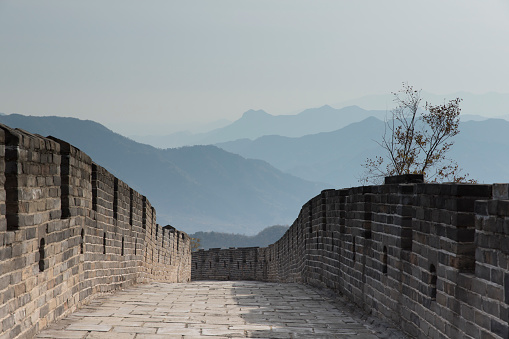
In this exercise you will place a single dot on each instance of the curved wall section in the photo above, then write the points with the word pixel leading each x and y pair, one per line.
pixel 70 230
pixel 433 259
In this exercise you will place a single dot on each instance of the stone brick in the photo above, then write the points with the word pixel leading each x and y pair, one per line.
pixel 450 226
pixel 43 272
pixel 499 328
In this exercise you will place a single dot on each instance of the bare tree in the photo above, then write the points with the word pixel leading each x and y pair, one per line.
pixel 416 141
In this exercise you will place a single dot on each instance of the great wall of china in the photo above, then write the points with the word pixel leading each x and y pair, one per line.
pixel 433 259
pixel 69 231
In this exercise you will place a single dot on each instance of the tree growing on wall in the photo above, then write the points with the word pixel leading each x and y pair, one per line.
pixel 416 141
pixel 195 244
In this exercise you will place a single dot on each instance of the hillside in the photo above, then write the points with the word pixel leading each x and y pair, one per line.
pixel 336 157
pixel 480 148
pixel 264 238
pixel 200 188
pixel 255 124
pixel 332 157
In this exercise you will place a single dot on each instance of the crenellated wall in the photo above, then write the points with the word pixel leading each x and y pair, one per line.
pixel 70 230
pixel 433 259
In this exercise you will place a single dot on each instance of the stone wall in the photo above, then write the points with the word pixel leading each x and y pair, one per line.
pixel 70 230
pixel 433 259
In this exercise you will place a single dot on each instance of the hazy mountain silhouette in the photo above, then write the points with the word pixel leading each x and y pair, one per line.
pixel 254 124
pixel 200 188
pixel 489 104
pixel 180 134
pixel 336 157
pixel 332 157
pixel 480 149
pixel 264 238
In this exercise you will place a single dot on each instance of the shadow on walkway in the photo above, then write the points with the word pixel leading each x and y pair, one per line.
pixel 214 309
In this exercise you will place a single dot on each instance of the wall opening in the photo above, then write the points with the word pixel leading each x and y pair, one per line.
pixel 82 241
pixel 42 254
pixel 94 187
pixel 153 217
pixel 131 207
pixel 104 243
pixel 122 250
pixel 135 246
pixel 11 184
pixel 144 213
pixel 324 213
pixel 384 261
pixel 65 170
pixel 157 231
pixel 115 199
pixel 433 282
pixel 310 216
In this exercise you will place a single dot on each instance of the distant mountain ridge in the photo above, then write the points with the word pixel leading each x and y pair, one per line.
pixel 331 157
pixel 200 188
pixel 336 157
pixel 257 123
pixel 488 105
pixel 254 124
pixel 264 238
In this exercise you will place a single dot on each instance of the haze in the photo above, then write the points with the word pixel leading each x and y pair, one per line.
pixel 143 67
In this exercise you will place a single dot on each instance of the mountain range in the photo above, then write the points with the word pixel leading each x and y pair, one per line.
pixel 336 157
pixel 264 238
pixel 255 124
pixel 200 188
pixel 330 157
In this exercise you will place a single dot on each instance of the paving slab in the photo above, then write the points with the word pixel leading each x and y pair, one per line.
pixel 214 309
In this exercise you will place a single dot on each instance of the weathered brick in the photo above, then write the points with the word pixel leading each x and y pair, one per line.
pixel 42 268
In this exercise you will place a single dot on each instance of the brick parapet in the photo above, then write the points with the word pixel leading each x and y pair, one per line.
pixel 430 258
pixel 69 230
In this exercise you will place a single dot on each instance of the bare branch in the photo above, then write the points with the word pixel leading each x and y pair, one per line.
pixel 416 141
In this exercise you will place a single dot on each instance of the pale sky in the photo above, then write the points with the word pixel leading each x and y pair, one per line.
pixel 140 67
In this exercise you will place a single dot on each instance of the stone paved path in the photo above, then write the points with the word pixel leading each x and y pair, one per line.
pixel 226 309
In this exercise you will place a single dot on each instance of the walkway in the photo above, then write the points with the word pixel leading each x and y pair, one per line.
pixel 226 309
